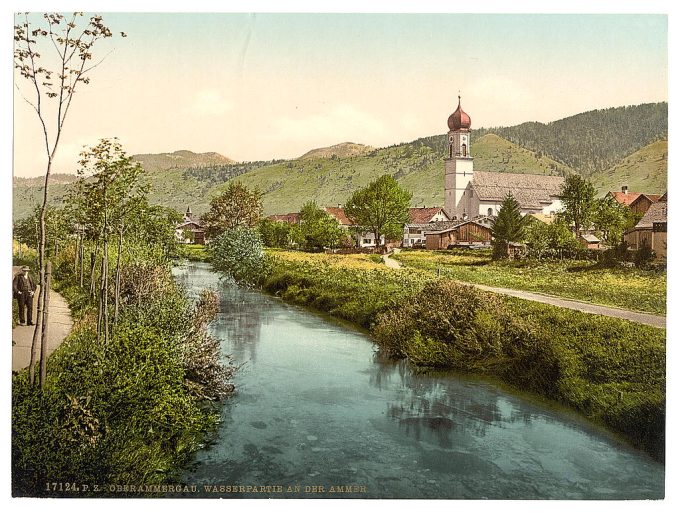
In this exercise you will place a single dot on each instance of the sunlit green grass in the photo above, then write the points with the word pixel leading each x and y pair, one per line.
pixel 632 289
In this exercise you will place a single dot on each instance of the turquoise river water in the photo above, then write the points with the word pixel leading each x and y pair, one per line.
pixel 319 414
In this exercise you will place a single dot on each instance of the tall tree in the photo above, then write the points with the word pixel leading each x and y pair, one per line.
pixel 317 229
pixel 236 206
pixel 68 42
pixel 510 226
pixel 610 219
pixel 381 208
pixel 108 193
pixel 578 198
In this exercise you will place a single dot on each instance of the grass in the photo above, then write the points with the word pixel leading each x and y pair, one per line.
pixel 610 370
pixel 646 170
pixel 194 252
pixel 631 289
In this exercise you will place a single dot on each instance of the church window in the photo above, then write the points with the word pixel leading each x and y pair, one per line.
pixel 464 150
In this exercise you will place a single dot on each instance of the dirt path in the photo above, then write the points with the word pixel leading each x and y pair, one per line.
pixel 658 321
pixel 59 327
pixel 391 262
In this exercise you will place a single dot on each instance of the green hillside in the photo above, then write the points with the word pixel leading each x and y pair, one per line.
pixel 330 175
pixel 643 171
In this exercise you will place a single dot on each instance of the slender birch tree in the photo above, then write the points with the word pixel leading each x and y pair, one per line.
pixel 54 56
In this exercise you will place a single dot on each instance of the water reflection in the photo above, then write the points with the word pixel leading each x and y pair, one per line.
pixel 316 405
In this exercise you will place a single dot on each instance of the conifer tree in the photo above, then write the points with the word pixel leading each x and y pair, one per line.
pixel 510 226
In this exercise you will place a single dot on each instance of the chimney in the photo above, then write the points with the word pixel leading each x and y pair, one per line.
pixel 624 189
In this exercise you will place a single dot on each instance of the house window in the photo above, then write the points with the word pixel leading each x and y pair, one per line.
pixel 368 241
pixel 489 211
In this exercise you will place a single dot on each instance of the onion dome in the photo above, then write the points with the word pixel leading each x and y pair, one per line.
pixel 459 120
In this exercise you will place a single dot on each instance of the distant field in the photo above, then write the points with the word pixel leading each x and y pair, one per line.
pixel 632 289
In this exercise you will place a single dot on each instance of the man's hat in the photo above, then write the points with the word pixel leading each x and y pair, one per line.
pixel 25 268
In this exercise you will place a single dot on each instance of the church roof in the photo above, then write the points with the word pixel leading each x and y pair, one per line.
pixel 530 191
pixel 459 120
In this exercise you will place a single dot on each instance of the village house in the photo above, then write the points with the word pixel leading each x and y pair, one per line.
pixel 651 230
pixel 589 241
pixel 638 202
pixel 290 217
pixel 465 233
pixel 420 220
pixel 469 193
pixel 362 239
pixel 190 230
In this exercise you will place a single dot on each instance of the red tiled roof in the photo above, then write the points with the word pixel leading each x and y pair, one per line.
pixel 625 198
pixel 291 217
pixel 651 197
pixel 423 215
pixel 339 214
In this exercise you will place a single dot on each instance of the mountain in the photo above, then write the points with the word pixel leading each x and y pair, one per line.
pixel 346 149
pixel 39 181
pixel 626 143
pixel 181 159
pixel 593 141
pixel 416 166
pixel 642 171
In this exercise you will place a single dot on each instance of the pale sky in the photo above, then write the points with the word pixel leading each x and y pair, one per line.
pixel 264 86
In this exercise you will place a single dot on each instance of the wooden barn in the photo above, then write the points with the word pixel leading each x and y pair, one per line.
pixel 466 233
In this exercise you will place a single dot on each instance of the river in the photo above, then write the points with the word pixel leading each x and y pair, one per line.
pixel 317 407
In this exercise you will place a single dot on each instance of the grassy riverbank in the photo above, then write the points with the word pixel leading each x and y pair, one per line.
pixel 128 411
pixel 632 289
pixel 613 371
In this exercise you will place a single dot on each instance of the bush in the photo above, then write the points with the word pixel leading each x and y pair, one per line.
pixel 239 253
pixel 447 325
pixel 644 256
pixel 132 410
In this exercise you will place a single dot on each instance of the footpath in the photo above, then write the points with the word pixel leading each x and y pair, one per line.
pixel 658 321
pixel 59 326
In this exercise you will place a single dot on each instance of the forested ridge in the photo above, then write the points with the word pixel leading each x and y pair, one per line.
pixel 587 142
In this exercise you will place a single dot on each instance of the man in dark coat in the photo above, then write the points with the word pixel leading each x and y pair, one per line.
pixel 23 288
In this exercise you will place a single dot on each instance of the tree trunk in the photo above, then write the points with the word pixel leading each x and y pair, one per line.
pixel 105 292
pixel 41 284
pixel 76 256
pixel 93 267
pixel 82 254
pixel 117 293
pixel 45 320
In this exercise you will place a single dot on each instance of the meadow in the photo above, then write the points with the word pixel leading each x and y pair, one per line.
pixel 632 289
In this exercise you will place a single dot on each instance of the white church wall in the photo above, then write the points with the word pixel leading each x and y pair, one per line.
pixel 555 207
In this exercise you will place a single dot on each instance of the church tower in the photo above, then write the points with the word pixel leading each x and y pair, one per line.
pixel 458 166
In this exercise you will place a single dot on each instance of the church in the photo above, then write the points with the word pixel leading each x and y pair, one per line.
pixel 469 194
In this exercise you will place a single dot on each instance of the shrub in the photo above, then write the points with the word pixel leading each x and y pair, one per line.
pixel 644 256
pixel 239 253
pixel 447 325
